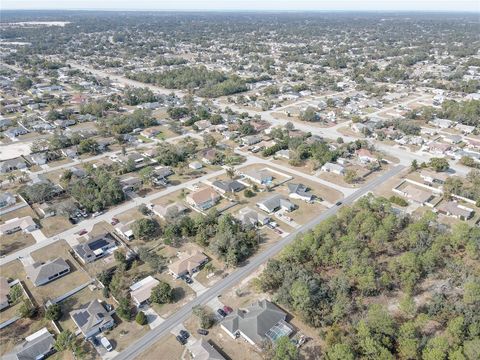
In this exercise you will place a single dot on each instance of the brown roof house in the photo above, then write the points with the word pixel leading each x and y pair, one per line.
pixel 187 264
pixel 203 199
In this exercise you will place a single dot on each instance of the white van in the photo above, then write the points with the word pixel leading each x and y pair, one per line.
pixel 106 344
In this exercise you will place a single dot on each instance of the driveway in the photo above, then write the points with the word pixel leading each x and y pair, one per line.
pixel 153 319
pixel 38 235
pixel 196 286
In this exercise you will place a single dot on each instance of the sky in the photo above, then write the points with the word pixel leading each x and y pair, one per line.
pixel 325 5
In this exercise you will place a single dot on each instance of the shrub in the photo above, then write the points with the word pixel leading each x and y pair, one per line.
pixel 141 318
pixel 54 312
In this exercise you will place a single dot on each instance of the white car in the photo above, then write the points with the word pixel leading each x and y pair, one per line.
pixel 106 344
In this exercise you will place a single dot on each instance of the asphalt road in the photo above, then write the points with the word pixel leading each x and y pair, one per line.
pixel 234 278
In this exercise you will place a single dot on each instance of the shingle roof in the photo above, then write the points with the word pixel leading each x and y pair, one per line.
pixel 38 345
pixel 90 316
pixel 39 273
pixel 256 321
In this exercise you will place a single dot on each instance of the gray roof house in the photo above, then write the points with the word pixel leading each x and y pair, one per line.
pixel 94 248
pixel 203 350
pixel 227 186
pixel 43 273
pixel 7 199
pixel 261 177
pixel 299 191
pixel 274 203
pixel 36 346
pixel 12 164
pixel 92 318
pixel 261 320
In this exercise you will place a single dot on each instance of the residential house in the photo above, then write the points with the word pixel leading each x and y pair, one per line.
pixel 7 199
pixel 442 123
pixel 261 177
pixel 202 350
pixel 300 192
pixel 229 186
pixel 43 273
pixel 437 148
pixel 283 154
pixel 465 129
pixel 251 140
pixel 274 203
pixel 39 158
pixel 365 156
pixel 95 248
pixel 150 132
pixel 135 157
pixel 203 199
pixel 4 293
pixel 160 175
pixel 358 127
pixel 187 264
pixel 333 168
pixel 37 346
pixel 248 216
pixel 13 133
pixel 92 318
pixel 433 176
pixel 260 321
pixel 141 291
pixel 169 211
pixel 130 183
pixel 452 139
pixel 416 194
pixel 25 224
pixel 125 229
pixel 209 156
pixel 70 152
pixel 454 209
pixel 12 165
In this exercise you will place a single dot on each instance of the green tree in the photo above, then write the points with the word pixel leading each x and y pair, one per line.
pixel 284 349
pixel 141 318
pixel 145 228
pixel 27 309
pixel 340 352
pixel 65 341
pixel 162 293
pixel 351 176
pixel 204 316
pixel 124 309
pixel 438 164
pixel 54 312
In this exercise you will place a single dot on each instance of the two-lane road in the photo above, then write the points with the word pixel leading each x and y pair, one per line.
pixel 140 346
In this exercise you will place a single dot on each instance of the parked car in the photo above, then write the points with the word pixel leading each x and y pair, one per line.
pixel 94 340
pixel 338 203
pixel 114 221
pixel 227 309
pixel 181 340
pixel 184 334
pixel 98 213
pixel 188 280
pixel 82 232
pixel 221 312
pixel 106 344
pixel 202 332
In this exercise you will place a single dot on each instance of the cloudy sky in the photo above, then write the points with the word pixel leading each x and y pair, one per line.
pixel 365 5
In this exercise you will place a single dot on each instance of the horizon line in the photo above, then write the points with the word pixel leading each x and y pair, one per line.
pixel 253 10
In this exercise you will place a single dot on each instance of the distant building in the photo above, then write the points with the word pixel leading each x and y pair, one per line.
pixel 203 199
pixel 261 177
pixel 300 192
pixel 333 168
pixel 25 224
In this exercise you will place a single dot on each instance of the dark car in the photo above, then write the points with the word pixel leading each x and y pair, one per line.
pixel 338 203
pixel 188 280
pixel 221 313
pixel 94 340
pixel 202 332
pixel 181 340
pixel 82 232
pixel 184 334
pixel 227 309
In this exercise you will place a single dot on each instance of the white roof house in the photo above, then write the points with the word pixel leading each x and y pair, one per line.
pixel 142 290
